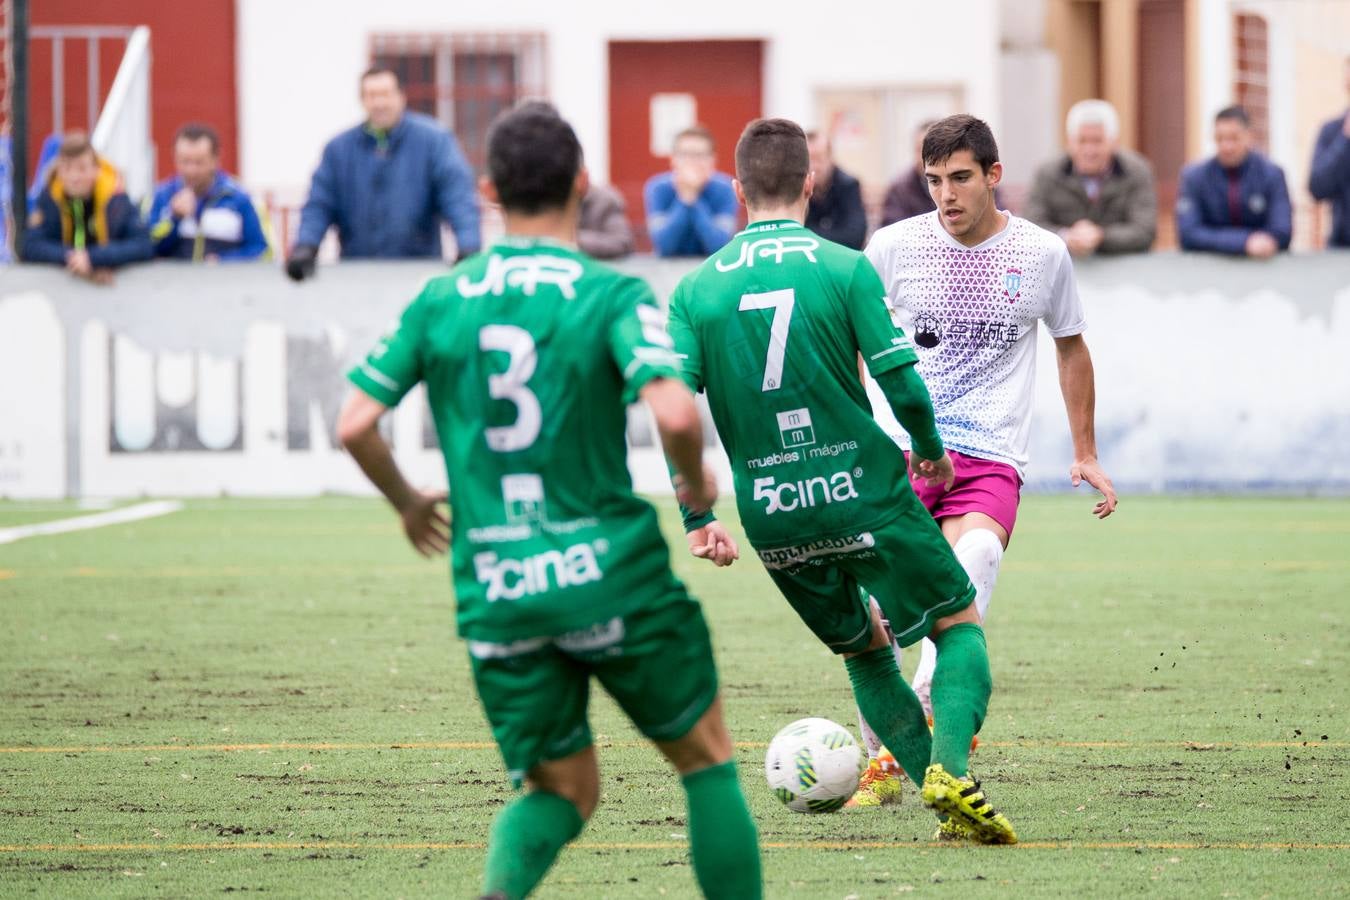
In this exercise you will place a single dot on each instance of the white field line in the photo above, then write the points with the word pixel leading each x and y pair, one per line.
pixel 98 520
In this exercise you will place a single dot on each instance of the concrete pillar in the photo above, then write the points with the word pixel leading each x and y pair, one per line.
pixel 1120 63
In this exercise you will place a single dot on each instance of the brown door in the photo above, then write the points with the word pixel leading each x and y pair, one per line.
pixel 1162 102
pixel 725 81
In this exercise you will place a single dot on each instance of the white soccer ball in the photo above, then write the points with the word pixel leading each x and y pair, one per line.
pixel 813 765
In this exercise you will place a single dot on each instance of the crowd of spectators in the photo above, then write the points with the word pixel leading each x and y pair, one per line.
pixel 389 184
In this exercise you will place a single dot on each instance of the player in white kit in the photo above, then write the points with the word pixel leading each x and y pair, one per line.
pixel 970 284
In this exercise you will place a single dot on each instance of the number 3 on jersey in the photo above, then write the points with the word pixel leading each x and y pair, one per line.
pixel 781 302
pixel 510 386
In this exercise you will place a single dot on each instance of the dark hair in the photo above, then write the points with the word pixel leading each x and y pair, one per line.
pixel 380 69
pixel 74 145
pixel 533 157
pixel 922 127
pixel 1234 113
pixel 956 133
pixel 772 161
pixel 695 131
pixel 196 131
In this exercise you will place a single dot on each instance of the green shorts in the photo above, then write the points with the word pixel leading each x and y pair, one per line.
pixel 905 564
pixel 657 663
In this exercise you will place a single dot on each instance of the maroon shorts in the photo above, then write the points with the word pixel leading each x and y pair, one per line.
pixel 981 485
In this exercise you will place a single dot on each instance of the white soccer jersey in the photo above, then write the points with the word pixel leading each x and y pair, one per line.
pixel 972 313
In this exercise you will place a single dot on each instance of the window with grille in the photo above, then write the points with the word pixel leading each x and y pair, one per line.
pixel 464 80
pixel 1251 74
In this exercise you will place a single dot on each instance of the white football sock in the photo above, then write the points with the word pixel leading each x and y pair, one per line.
pixel 980 553
pixel 870 739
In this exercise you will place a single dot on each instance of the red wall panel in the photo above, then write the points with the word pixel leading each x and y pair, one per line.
pixel 192 75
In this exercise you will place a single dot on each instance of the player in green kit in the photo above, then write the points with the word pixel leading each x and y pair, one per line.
pixel 530 352
pixel 772 326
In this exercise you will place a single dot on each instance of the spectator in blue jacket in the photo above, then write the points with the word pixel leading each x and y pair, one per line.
pixel 691 210
pixel 1238 201
pixel 386 184
pixel 1330 178
pixel 202 213
pixel 83 220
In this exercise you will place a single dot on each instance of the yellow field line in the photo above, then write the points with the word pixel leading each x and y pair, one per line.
pixel 744 745
pixel 659 845
pixel 413 568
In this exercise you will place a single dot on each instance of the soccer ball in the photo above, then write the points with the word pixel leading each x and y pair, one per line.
pixel 813 765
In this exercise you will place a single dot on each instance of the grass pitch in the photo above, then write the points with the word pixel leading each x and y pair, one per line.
pixel 268 697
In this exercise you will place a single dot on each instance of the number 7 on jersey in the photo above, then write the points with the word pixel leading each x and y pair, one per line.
pixel 781 302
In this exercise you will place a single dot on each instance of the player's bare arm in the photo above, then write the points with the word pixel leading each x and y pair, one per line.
pixel 681 430
pixel 1080 401
pixel 423 521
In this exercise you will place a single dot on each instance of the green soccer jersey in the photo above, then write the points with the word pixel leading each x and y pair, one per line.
pixel 771 327
pixel 530 352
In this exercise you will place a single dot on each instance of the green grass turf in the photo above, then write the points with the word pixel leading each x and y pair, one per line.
pixel 1222 623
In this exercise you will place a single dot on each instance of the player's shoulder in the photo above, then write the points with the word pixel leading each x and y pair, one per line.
pixel 906 232
pixel 1027 235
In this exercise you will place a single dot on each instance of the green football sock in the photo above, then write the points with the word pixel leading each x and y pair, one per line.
pixel 526 839
pixel 722 838
pixel 892 709
pixel 961 688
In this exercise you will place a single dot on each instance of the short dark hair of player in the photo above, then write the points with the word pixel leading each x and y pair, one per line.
pixel 196 131
pixel 74 145
pixel 381 70
pixel 696 131
pixel 1233 113
pixel 772 162
pixel 956 133
pixel 533 157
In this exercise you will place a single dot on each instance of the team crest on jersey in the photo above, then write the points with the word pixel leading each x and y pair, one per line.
pixel 525 273
pixel 927 331
pixel 1012 284
pixel 771 248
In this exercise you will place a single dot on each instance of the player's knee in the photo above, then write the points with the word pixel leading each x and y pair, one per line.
pixel 575 779
pixel 970 614
pixel 979 548
pixel 706 745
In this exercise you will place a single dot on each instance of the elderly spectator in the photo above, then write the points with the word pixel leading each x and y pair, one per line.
pixel 603 231
pixel 1238 201
pixel 1097 197
pixel 386 184
pixel 83 220
pixel 691 210
pixel 1330 178
pixel 202 213
pixel 908 195
pixel 836 210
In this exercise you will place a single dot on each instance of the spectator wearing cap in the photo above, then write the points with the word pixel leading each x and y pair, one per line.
pixel 1098 197
pixel 202 213
pixel 835 211
pixel 1236 202
pixel 1330 178
pixel 82 219
pixel 691 210
pixel 387 184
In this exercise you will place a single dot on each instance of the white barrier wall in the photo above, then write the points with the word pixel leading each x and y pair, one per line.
pixel 181 381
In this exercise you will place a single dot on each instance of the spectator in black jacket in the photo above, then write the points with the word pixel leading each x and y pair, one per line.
pixel 83 220
pixel 836 210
